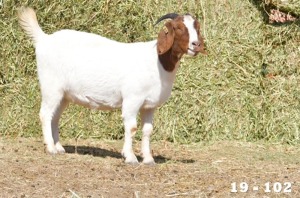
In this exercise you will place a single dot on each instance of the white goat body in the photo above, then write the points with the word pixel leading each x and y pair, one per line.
pixel 100 73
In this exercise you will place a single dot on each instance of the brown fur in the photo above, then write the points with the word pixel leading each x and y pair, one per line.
pixel 201 47
pixel 168 60
pixel 165 38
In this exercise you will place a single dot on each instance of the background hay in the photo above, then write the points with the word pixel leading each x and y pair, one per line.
pixel 247 88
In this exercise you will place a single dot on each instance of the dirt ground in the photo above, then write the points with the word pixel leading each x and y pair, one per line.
pixel 93 168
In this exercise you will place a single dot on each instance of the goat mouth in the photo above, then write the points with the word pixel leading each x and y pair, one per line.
pixel 192 51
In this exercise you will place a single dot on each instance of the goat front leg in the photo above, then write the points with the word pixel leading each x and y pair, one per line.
pixel 130 109
pixel 147 119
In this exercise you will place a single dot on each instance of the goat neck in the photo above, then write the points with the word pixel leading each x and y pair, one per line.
pixel 169 59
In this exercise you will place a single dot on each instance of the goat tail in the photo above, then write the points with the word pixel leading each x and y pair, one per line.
pixel 28 21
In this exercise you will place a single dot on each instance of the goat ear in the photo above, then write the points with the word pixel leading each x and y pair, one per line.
pixel 165 38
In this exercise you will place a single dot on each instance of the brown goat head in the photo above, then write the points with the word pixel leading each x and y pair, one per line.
pixel 179 36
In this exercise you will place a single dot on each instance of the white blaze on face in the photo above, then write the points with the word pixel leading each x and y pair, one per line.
pixel 189 23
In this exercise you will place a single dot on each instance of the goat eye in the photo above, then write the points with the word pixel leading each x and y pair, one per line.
pixel 179 31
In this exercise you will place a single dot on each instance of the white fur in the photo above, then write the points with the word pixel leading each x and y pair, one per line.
pixel 189 23
pixel 99 73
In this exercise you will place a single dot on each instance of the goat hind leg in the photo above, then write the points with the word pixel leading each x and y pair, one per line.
pixel 55 125
pixel 48 109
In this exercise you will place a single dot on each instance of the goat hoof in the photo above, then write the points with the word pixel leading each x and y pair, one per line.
pixel 132 160
pixel 133 163
pixel 51 150
pixel 149 162
pixel 60 149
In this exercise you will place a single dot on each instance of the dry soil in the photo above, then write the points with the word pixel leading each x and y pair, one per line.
pixel 95 168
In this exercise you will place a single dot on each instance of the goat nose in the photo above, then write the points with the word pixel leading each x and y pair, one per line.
pixel 196 43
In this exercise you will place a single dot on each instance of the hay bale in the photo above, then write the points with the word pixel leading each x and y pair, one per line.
pixel 247 88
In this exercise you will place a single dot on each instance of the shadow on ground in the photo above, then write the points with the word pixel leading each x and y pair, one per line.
pixel 94 151
pixel 100 152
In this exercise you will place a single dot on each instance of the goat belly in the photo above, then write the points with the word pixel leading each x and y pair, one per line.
pixel 95 102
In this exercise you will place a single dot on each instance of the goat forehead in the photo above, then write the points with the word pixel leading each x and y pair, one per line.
pixel 189 21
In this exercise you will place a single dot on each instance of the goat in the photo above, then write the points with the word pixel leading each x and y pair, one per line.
pixel 96 72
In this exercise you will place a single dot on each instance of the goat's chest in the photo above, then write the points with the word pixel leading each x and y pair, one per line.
pixel 158 92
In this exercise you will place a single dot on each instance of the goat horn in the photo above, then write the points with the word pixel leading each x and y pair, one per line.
pixel 167 16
